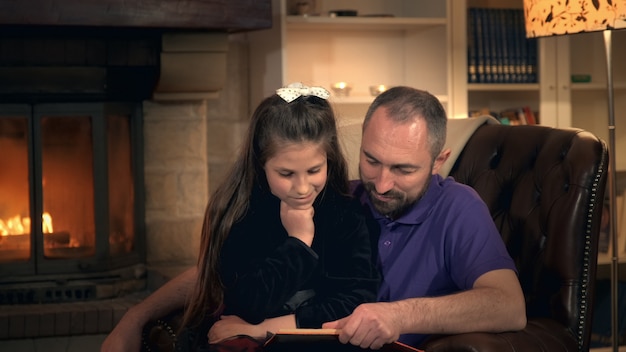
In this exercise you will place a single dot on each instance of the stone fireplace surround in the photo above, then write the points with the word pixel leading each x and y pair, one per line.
pixel 189 142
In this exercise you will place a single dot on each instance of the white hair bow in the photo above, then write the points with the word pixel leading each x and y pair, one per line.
pixel 295 90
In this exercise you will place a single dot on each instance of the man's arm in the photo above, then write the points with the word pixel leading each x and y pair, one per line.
pixel 126 336
pixel 494 304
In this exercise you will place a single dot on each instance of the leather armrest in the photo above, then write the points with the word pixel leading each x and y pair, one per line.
pixel 540 334
pixel 162 335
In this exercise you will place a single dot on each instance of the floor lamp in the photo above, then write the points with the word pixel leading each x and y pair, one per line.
pixel 557 17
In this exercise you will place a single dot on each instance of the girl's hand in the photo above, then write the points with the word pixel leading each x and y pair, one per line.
pixel 298 222
pixel 232 325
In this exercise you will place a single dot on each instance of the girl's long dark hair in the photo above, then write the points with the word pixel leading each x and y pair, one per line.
pixel 274 123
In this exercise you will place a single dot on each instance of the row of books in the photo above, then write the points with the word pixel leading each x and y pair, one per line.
pixel 513 116
pixel 498 50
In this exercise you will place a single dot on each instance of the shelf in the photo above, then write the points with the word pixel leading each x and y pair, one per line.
pixel 363 23
pixel 369 50
pixel 605 259
pixel 385 44
pixel 607 349
pixel 498 87
pixel 352 100
pixel 597 86
pixel 364 99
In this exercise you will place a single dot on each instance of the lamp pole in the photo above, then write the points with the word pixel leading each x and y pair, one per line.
pixel 612 196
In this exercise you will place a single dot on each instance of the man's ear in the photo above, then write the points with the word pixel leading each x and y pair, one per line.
pixel 441 159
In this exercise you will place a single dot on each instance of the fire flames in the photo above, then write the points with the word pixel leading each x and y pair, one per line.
pixel 18 225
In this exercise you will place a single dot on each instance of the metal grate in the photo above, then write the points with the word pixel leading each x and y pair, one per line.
pixel 47 293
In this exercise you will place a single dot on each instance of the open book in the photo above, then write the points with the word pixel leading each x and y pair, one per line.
pixel 320 340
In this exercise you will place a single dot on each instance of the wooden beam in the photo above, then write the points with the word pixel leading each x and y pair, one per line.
pixel 227 15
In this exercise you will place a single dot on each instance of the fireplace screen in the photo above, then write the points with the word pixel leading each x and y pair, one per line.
pixel 68 187
pixel 14 204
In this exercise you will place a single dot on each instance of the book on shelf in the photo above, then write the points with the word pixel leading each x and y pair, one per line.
pixel 305 340
pixel 488 57
pixel 476 51
pixel 512 116
pixel 504 46
pixel 531 118
pixel 497 48
pixel 472 55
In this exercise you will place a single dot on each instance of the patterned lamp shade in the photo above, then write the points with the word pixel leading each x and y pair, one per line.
pixel 557 17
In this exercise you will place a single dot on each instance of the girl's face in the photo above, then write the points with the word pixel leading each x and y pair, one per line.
pixel 297 173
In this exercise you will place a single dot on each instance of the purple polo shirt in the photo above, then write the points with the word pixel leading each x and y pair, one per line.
pixel 440 246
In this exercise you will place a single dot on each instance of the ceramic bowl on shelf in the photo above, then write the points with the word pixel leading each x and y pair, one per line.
pixel 341 89
pixel 377 89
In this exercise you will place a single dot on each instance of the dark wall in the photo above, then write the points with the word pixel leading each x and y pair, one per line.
pixel 230 15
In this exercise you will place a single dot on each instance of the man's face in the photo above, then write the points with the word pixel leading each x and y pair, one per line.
pixel 395 163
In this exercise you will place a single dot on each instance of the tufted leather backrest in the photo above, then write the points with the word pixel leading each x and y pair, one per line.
pixel 544 188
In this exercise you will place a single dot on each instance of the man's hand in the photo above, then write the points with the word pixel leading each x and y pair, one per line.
pixel 232 325
pixel 494 304
pixel 298 222
pixel 371 325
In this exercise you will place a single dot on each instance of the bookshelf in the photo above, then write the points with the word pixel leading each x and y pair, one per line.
pixel 385 44
pixel 558 101
pixel 494 96
pixel 608 349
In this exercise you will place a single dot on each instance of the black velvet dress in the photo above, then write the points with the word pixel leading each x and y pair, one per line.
pixel 267 274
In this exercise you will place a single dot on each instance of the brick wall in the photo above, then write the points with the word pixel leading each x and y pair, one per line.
pixel 63 319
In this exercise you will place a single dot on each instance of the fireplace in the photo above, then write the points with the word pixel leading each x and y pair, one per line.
pixel 75 79
pixel 70 183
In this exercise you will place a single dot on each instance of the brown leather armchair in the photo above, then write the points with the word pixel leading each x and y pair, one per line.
pixel 545 189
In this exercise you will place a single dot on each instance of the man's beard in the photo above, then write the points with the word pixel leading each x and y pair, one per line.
pixel 397 205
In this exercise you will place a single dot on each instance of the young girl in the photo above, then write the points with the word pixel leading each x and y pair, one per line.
pixel 283 245
pixel 282 238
